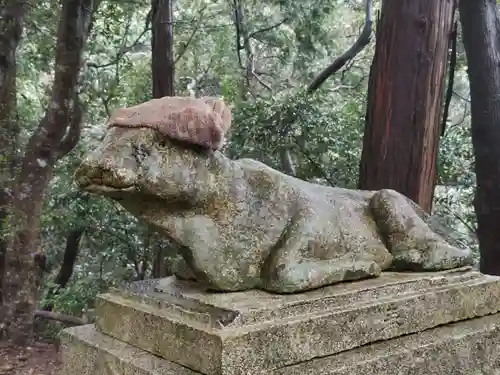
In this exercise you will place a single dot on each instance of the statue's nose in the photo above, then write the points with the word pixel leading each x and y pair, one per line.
pixel 112 172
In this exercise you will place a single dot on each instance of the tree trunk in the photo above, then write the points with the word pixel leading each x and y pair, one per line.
pixel 11 27
pixel 163 65
pixel 163 77
pixel 481 37
pixel 406 87
pixel 68 264
pixel 57 133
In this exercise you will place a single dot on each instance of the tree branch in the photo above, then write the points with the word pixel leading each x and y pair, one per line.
pixel 266 29
pixel 123 51
pixel 287 117
pixel 185 46
pixel 242 33
pixel 61 317
pixel 357 47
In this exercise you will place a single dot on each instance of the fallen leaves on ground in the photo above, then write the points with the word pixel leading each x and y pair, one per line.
pixel 39 359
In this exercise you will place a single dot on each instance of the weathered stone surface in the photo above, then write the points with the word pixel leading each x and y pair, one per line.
pixel 247 332
pixel 85 351
pixel 241 225
pixel 464 348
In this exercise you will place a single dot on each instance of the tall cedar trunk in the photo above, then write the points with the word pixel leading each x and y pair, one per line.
pixel 11 26
pixel 163 65
pixel 404 98
pixel 57 133
pixel 163 76
pixel 481 37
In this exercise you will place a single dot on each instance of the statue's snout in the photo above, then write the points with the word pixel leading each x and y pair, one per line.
pixel 100 170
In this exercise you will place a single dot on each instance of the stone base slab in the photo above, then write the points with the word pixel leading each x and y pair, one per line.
pixel 465 348
pixel 254 332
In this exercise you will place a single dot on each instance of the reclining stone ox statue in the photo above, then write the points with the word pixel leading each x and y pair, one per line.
pixel 240 224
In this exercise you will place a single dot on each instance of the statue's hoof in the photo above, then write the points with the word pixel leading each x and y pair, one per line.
pixel 434 257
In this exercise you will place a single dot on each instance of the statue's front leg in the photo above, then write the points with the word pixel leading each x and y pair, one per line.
pixel 292 268
pixel 414 245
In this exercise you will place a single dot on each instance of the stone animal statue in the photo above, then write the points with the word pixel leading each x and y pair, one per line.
pixel 240 224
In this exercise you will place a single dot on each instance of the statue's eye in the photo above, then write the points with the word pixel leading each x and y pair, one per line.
pixel 140 152
pixel 161 140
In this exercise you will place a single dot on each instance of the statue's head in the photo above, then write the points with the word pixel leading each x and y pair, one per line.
pixel 164 150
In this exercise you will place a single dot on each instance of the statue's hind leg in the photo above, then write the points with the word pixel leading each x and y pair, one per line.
pixel 414 245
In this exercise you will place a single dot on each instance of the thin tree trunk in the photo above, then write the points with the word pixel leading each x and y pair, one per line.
pixel 12 14
pixel 407 79
pixel 163 66
pixel 68 264
pixel 57 133
pixel 481 37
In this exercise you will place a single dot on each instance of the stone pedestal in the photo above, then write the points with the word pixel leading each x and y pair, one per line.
pixel 411 323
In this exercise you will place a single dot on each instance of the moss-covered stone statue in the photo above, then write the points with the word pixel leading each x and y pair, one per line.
pixel 243 225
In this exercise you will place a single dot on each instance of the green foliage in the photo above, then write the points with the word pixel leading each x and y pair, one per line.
pixel 325 140
pixel 76 298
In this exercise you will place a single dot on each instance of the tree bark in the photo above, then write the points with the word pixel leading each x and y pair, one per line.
pixel 163 77
pixel 68 264
pixel 405 93
pixel 481 37
pixel 163 65
pixel 12 14
pixel 56 135
pixel 70 256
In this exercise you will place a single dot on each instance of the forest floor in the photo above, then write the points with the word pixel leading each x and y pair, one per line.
pixel 41 358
